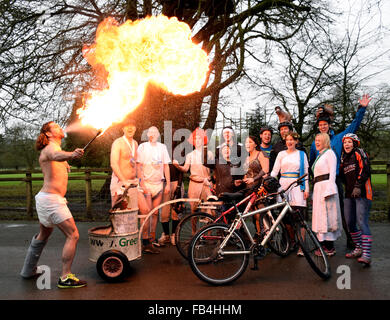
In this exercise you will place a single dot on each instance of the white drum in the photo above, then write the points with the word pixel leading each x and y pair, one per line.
pixel 101 239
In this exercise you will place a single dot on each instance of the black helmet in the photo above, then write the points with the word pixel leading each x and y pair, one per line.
pixel 266 129
pixel 271 184
pixel 285 124
pixel 324 117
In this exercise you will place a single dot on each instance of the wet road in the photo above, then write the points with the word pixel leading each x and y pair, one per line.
pixel 168 276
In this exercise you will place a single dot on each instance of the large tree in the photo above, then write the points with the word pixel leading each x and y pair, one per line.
pixel 324 63
pixel 43 69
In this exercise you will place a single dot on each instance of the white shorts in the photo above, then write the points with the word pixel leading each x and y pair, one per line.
pixel 51 209
pixel 154 188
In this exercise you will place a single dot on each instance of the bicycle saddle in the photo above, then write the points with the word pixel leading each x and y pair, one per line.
pixel 229 196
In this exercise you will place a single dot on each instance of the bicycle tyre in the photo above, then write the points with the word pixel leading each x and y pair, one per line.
pixel 211 267
pixel 279 242
pixel 313 251
pixel 184 230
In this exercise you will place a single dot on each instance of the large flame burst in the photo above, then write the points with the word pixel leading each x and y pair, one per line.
pixel 129 56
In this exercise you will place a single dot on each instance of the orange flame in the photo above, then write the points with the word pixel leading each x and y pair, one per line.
pixel 129 56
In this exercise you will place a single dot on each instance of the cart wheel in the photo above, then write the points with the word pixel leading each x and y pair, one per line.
pixel 112 266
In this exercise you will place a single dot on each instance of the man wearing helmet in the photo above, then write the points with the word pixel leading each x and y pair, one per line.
pixel 324 126
pixel 355 173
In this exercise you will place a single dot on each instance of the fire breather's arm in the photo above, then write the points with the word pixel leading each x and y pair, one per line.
pixel 56 154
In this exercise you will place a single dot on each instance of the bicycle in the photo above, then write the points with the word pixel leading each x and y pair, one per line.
pixel 190 224
pixel 218 254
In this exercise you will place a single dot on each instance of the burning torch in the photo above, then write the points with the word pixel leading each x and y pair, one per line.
pixel 90 141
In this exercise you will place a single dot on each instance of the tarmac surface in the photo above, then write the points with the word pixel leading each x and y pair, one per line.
pixel 167 276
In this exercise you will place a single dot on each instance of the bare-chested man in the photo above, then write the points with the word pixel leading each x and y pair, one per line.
pixel 51 205
pixel 123 161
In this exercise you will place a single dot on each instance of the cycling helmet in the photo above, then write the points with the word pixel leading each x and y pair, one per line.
pixel 266 129
pixel 285 124
pixel 353 137
pixel 271 184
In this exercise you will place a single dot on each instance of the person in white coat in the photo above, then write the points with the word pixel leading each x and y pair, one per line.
pixel 326 214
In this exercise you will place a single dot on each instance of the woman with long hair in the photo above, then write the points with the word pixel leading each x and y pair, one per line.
pixel 291 164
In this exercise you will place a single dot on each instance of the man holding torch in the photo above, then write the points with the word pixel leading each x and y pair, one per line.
pixel 51 205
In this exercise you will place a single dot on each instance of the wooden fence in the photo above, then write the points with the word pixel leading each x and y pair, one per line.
pixel 87 177
pixel 106 172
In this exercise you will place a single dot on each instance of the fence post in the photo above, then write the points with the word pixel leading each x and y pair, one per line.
pixel 88 193
pixel 29 196
pixel 388 189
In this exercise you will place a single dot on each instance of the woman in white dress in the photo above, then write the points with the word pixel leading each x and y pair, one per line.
pixel 291 164
pixel 326 215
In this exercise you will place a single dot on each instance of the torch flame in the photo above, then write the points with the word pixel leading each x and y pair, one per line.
pixel 129 56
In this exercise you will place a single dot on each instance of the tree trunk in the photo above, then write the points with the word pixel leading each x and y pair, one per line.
pixel 212 115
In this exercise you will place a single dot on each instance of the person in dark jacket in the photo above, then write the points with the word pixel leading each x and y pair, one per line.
pixel 355 173
pixel 223 170
pixel 324 126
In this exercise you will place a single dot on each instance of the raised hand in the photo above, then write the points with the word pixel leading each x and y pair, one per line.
pixel 365 100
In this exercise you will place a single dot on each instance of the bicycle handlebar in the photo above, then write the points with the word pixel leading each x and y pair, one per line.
pixel 297 182
pixel 281 192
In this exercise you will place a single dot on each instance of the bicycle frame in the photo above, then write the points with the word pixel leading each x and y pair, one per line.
pixel 251 199
pixel 240 219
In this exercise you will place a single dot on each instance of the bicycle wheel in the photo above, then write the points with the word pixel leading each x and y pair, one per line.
pixel 212 267
pixel 279 242
pixel 313 251
pixel 187 228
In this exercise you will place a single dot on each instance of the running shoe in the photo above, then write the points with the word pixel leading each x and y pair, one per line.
pixel 365 261
pixel 164 239
pixel 330 252
pixel 149 248
pixel 71 281
pixel 355 253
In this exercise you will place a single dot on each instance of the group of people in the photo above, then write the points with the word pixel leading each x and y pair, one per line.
pixel 335 159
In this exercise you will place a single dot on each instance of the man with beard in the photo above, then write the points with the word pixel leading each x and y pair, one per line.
pixel 265 138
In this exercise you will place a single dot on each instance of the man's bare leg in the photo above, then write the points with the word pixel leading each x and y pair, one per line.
pixel 144 205
pixel 68 227
pixel 156 201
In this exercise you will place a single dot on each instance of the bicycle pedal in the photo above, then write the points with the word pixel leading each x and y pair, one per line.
pixel 255 266
pixel 258 252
